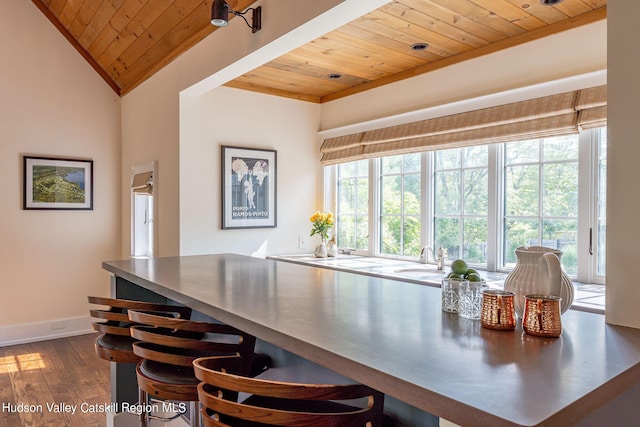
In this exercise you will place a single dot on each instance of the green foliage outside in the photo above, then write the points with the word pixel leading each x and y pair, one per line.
pixel 541 205
pixel 353 205
pixel 400 234
pixel 400 205
pixel 461 203
pixel 541 201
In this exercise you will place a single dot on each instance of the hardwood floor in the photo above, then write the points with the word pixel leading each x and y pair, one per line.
pixel 44 376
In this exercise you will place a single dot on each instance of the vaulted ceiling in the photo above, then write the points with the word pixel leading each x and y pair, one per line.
pixel 127 41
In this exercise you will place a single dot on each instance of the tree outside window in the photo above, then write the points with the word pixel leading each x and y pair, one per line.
pixel 400 204
pixel 541 197
pixel 352 211
pixel 534 184
pixel 460 187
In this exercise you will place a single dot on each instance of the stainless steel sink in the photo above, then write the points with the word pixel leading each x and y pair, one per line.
pixel 423 270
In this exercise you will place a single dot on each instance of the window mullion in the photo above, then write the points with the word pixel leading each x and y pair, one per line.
pixel 540 193
pixel 461 216
pixel 375 182
pixel 426 189
pixel 402 207
pixel 330 200
pixel 495 207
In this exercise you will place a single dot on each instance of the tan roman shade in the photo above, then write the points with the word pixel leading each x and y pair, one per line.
pixel 551 115
pixel 591 105
pixel 143 183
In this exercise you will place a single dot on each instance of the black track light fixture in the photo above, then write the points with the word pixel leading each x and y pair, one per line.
pixel 220 15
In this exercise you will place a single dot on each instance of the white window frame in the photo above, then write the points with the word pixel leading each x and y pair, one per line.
pixel 587 206
pixel 402 174
pixel 596 276
pixel 151 216
pixel 462 168
pixel 588 224
pixel 540 163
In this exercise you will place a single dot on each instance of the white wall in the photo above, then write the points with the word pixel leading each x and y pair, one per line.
pixel 623 196
pixel 150 113
pixel 53 104
pixel 150 121
pixel 234 117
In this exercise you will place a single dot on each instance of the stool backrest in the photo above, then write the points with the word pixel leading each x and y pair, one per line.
pixel 281 403
pixel 116 317
pixel 179 342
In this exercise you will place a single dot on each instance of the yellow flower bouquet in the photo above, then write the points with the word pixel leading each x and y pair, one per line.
pixel 322 222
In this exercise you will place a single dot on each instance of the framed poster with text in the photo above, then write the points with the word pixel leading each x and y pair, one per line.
pixel 248 188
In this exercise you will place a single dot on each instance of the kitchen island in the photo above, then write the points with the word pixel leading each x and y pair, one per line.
pixel 393 336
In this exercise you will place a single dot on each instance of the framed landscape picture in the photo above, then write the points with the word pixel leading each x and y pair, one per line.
pixel 53 183
pixel 248 188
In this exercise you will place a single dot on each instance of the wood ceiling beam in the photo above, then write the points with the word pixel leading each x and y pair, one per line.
pixel 568 24
pixel 272 91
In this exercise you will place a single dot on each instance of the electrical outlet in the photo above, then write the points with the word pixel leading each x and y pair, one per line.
pixel 58 325
pixel 300 242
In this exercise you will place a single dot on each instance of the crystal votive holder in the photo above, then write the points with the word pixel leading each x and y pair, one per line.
pixel 450 289
pixel 470 299
pixel 498 311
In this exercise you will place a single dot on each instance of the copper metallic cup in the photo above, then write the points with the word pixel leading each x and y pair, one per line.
pixel 542 315
pixel 497 310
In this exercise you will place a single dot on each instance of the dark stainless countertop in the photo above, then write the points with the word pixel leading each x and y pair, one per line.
pixel 587 297
pixel 393 336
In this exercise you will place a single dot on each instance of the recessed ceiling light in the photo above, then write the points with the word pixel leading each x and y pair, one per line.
pixel 419 46
pixel 335 76
pixel 550 2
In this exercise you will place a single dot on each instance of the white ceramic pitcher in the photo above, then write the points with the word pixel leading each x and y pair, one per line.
pixel 538 271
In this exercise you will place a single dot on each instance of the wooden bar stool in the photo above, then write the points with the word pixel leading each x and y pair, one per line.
pixel 275 403
pixel 114 342
pixel 168 348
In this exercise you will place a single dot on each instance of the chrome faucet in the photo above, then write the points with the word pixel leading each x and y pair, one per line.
pixel 427 256
pixel 442 254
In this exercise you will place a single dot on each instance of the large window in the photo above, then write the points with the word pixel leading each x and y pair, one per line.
pixel 400 201
pixel 541 197
pixel 142 211
pixel 142 223
pixel 352 210
pixel 461 202
pixel 481 202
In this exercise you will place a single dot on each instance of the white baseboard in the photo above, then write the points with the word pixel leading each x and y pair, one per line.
pixel 47 330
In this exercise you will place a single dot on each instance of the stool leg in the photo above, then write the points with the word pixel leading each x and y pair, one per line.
pixel 142 399
pixel 195 414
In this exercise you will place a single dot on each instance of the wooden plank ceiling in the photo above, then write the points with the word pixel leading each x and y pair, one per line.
pixel 127 41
